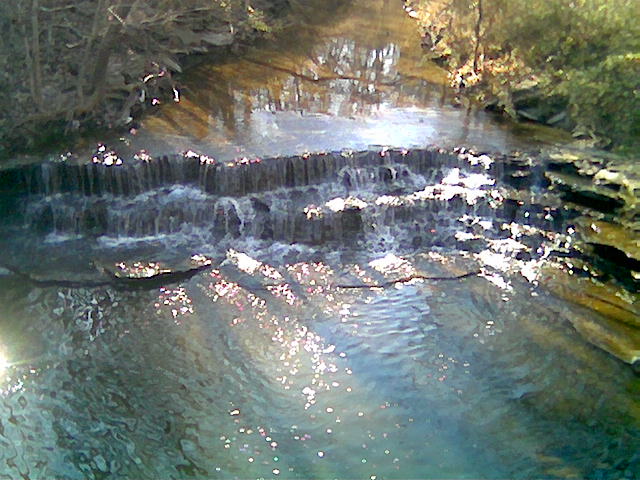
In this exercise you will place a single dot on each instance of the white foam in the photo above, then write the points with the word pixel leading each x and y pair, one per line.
pixel 61 237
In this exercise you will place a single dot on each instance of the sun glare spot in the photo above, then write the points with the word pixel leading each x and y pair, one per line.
pixel 4 363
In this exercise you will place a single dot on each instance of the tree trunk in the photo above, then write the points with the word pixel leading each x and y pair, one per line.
pixel 35 57
pixel 476 52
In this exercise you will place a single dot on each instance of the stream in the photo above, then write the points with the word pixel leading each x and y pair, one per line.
pixel 386 283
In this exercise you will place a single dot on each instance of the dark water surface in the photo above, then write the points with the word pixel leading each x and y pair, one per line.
pixel 277 362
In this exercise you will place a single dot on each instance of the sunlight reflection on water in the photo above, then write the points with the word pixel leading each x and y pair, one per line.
pixel 300 353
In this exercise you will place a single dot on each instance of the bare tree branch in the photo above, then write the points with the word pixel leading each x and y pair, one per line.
pixel 478 26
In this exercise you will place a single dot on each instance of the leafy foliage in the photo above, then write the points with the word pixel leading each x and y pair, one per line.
pixel 585 51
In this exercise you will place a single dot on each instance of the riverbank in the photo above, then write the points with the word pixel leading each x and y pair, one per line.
pixel 574 66
pixel 72 67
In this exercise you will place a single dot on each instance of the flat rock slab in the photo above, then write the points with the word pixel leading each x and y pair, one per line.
pixel 607 317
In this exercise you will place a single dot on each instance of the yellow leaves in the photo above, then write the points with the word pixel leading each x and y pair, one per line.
pixel 257 20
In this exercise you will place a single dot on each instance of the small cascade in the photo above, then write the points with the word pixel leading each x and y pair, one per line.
pixel 415 196
pixel 388 200
pixel 243 177
pixel 381 200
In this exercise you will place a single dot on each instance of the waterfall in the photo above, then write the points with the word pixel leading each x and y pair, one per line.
pixel 415 195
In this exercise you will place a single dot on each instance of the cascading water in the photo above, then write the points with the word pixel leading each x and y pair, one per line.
pixel 286 199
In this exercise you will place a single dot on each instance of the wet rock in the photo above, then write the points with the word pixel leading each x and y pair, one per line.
pixel 44 223
pixel 351 220
pixel 259 205
pixel 623 239
pixel 607 318
pixel 615 263
pixel 597 173
pixel 15 180
pixel 95 220
pixel 531 104
pixel 582 191
pixel 612 248
pixel 148 270
pixel 620 340
pixel 607 300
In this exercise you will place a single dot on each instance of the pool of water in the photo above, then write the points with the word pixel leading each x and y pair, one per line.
pixel 341 75
pixel 377 314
